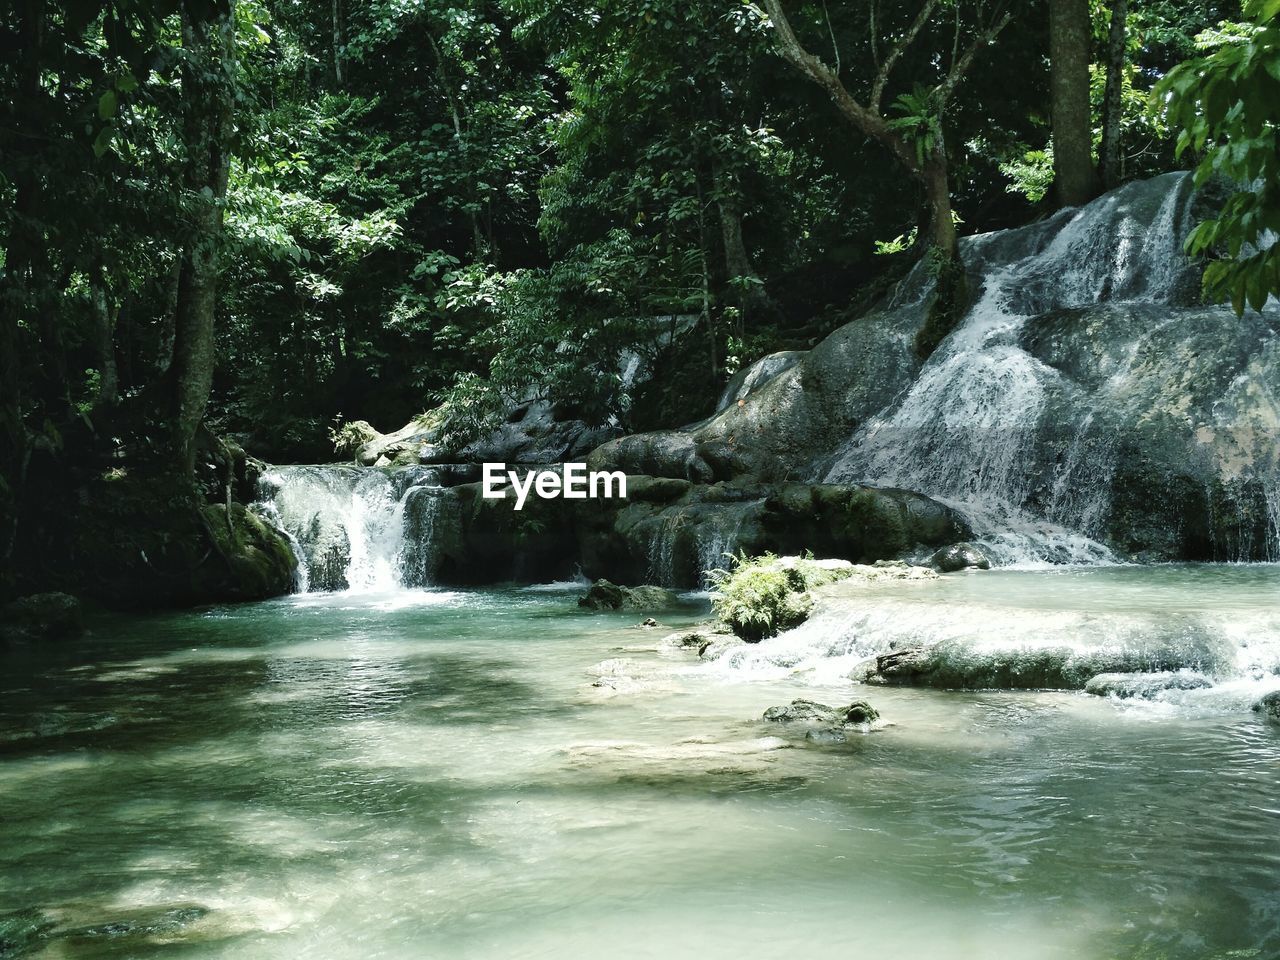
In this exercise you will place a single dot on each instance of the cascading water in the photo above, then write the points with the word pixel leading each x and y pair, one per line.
pixel 349 524
pixel 968 431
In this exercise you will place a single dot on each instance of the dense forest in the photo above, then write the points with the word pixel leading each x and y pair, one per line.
pixel 233 225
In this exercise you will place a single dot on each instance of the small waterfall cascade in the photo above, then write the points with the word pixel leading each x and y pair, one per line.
pixel 684 544
pixel 969 430
pixel 357 528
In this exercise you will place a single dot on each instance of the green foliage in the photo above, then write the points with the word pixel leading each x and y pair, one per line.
pixel 349 437
pixel 764 595
pixel 918 122
pixel 1226 105
pixel 899 244
pixel 1031 174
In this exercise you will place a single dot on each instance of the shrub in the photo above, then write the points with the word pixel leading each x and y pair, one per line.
pixel 764 595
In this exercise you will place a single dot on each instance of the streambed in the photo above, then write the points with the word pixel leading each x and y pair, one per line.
pixel 476 774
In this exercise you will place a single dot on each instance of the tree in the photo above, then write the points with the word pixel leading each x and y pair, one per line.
pixel 1226 104
pixel 1109 165
pixel 917 139
pixel 1070 43
pixel 208 100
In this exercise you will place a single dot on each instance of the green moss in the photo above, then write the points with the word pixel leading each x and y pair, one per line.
pixel 877 525
pixel 767 594
pixel 946 307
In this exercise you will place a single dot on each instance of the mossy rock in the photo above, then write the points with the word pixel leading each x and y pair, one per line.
pixel 604 595
pixel 765 595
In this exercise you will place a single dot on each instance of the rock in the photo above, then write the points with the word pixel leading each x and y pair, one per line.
pixel 1269 706
pixel 42 616
pixel 857 713
pixel 649 623
pixel 1154 426
pixel 960 556
pixel 689 639
pixel 603 595
pixel 718 646
pixel 752 378
pixel 973 665
pixel 1144 686
pixel 352 436
pixel 803 711
pixel 673 531
pixel 861 712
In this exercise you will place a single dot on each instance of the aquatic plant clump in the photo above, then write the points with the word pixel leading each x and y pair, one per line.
pixel 765 595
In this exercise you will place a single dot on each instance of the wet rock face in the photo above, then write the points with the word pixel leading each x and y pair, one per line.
pixel 960 556
pixel 786 411
pixel 1269 707
pixel 1086 388
pixel 752 378
pixel 1144 686
pixel 672 532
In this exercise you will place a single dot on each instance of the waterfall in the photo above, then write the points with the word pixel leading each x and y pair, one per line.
pixel 349 524
pixel 968 431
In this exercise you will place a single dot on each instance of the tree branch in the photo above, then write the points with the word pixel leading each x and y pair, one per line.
pixel 897 50
pixel 945 89
pixel 868 121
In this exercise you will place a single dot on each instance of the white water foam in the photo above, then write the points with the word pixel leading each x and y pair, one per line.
pixel 967 431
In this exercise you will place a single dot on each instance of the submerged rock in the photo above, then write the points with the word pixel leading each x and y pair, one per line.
pixel 604 595
pixel 808 711
pixel 690 639
pixel 971 665
pixel 1144 686
pixel 960 556
pixel 1269 706
pixel 803 711
pixel 51 616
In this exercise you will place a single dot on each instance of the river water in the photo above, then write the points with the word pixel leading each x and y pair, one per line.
pixel 497 774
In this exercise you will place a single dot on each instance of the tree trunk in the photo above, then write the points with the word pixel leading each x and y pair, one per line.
pixel 942 224
pixel 168 319
pixel 337 44
pixel 208 34
pixel 1112 109
pixel 19 283
pixel 1070 39
pixel 104 335
pixel 950 293
pixel 753 299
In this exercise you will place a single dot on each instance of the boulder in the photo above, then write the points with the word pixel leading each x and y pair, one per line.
pixel 749 379
pixel 42 616
pixel 971 664
pixel 960 556
pixel 807 711
pixel 1144 686
pixel 1269 706
pixel 674 531
pixel 603 595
